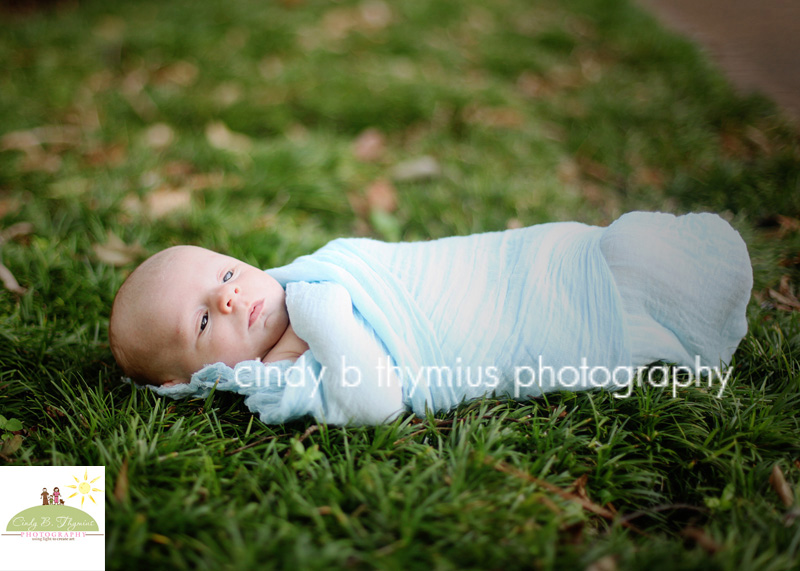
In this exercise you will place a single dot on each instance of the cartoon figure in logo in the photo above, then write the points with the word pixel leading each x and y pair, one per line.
pixel 61 502
pixel 56 493
pixel 44 495
pixel 50 500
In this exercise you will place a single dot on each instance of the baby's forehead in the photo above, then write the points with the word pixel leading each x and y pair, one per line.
pixel 180 261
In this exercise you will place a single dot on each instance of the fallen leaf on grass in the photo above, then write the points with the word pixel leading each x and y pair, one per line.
pixel 8 204
pixel 41 145
pixel 227 93
pixel 371 15
pixel 158 203
pixel 166 201
pixel 588 505
pixel 607 563
pixel 121 487
pixel 159 136
pixel 107 155
pixel 701 538
pixel 13 231
pixel 132 89
pixel 781 486
pixel 579 487
pixel 56 135
pixel 220 137
pixel 381 195
pixel 11 445
pixel 369 146
pixel 783 298
pixel 117 253
pixel 180 73
pixel 9 281
pixel 421 168
pixel 787 225
pixel 501 117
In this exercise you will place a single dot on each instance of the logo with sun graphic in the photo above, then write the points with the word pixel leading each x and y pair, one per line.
pixel 84 488
pixel 46 521
pixel 53 514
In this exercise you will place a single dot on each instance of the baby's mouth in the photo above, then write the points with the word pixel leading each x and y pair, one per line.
pixel 255 311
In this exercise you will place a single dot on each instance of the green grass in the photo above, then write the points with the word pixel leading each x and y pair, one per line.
pixel 534 111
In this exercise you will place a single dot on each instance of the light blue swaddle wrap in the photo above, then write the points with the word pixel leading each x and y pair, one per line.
pixel 427 325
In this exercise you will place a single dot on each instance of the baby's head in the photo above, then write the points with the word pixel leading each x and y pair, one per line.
pixel 186 307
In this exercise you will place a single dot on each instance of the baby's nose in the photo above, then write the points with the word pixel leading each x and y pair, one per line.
pixel 227 298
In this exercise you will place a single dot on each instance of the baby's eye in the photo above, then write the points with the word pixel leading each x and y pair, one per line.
pixel 203 322
pixel 228 275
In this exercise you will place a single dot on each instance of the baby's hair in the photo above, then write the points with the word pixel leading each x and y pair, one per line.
pixel 132 359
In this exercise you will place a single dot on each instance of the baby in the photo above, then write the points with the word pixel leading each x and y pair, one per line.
pixel 361 330
pixel 186 307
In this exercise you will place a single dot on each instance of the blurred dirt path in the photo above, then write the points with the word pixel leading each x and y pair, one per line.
pixel 756 42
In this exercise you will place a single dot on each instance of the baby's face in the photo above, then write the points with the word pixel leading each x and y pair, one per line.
pixel 214 308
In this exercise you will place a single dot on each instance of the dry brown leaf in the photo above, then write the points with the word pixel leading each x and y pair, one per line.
pixel 381 195
pixel 39 160
pixel 502 117
pixel 531 85
pixel 203 181
pixel 220 137
pixel 159 136
pixel 228 93
pixel 568 171
pixel 9 204
pixel 421 168
pixel 58 135
pixel 701 538
pixel 501 466
pixel 371 15
pixel 9 281
pixel 607 563
pixel 11 445
pixel 132 88
pixel 370 145
pixel 117 253
pixel 358 203
pixel 787 225
pixel 648 176
pixel 579 487
pixel 41 145
pixel 781 486
pixel 786 301
pixel 595 170
pixel 167 200
pixel 785 287
pixel 121 487
pixel 375 14
pixel 15 231
pixel 178 169
pixel 180 73
pixel 110 155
